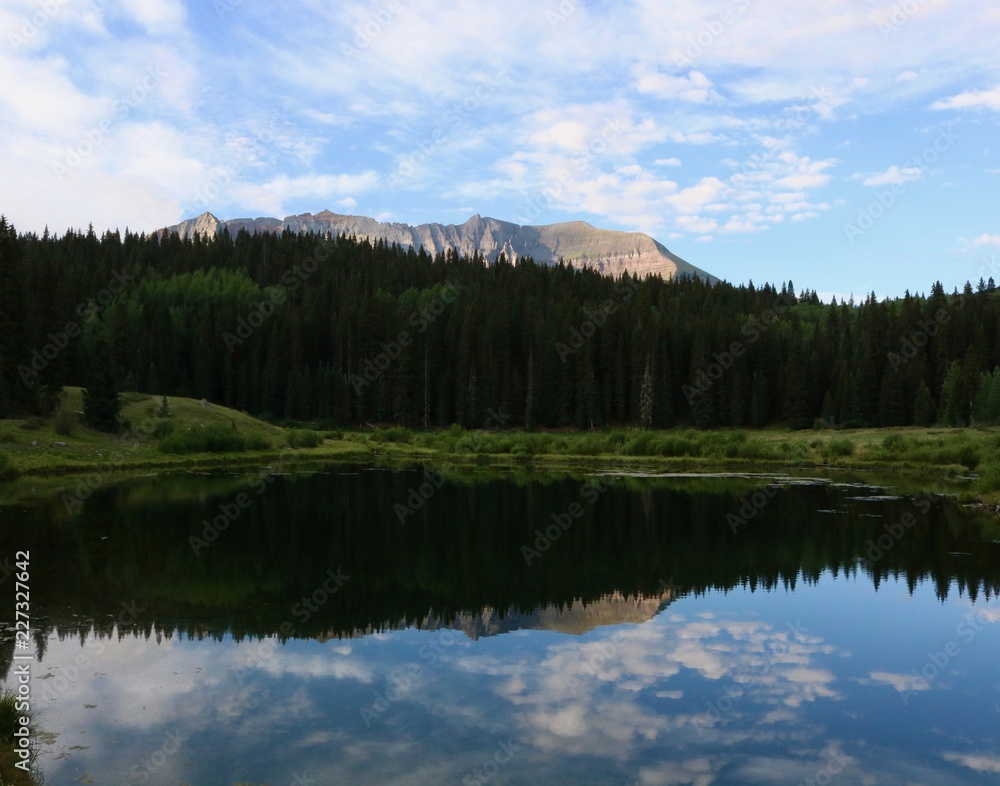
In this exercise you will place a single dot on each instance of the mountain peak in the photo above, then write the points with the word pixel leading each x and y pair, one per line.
pixel 578 243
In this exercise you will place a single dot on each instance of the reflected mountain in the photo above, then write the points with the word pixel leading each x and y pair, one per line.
pixel 574 619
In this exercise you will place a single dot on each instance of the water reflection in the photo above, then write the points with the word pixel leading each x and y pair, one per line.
pixel 649 644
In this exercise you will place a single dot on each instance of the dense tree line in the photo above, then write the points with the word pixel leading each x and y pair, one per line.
pixel 342 331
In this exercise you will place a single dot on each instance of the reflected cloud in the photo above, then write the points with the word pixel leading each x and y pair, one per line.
pixel 978 762
pixel 903 683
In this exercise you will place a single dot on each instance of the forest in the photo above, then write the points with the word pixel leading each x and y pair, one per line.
pixel 337 331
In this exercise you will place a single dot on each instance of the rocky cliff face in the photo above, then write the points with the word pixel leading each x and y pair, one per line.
pixel 577 243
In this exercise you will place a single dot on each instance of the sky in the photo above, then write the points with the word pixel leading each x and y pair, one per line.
pixel 849 146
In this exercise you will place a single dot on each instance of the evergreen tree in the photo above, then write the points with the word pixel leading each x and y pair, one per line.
pixel 101 405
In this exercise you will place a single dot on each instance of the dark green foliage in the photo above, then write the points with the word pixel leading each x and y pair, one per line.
pixel 382 335
pixel 6 471
pixel 217 438
pixel 298 438
pixel 101 405
pixel 63 422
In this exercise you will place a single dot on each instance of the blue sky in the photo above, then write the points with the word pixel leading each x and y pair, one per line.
pixel 848 148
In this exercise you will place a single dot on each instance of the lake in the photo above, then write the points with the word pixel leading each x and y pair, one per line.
pixel 378 625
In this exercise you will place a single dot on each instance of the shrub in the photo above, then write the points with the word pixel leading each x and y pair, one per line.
pixel 33 424
pixel 894 443
pixel 395 434
pixel 301 438
pixel 163 428
pixel 968 456
pixel 6 470
pixel 840 447
pixel 63 422
pixel 257 442
pixel 217 438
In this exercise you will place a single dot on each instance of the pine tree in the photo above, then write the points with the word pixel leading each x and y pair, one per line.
pixel 646 398
pixel 923 407
pixel 101 406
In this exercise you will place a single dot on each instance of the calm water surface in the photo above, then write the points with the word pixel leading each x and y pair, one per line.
pixel 336 627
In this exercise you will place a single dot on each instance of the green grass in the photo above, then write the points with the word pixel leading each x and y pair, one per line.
pixel 193 436
pixel 9 723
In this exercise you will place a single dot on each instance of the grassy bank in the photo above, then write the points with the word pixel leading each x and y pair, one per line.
pixel 11 775
pixel 187 434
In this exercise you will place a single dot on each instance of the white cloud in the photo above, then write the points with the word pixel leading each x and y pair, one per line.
pixel 979 762
pixel 157 16
pixel 894 175
pixel 667 162
pixel 985 240
pixel 694 87
pixel 903 683
pixel 971 99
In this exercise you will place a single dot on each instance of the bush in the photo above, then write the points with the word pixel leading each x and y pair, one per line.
pixel 395 434
pixel 33 424
pixel 968 456
pixel 217 438
pixel 6 470
pixel 839 447
pixel 257 442
pixel 163 428
pixel 63 422
pixel 894 443
pixel 301 438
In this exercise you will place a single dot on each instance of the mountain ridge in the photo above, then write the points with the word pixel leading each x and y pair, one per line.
pixel 577 243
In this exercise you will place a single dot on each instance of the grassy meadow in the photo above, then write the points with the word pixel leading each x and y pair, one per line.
pixel 183 434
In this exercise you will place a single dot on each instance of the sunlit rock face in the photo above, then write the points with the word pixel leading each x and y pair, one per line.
pixel 576 242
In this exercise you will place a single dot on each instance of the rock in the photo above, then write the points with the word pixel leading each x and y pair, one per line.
pixel 59 444
pixel 577 242
pixel 205 404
